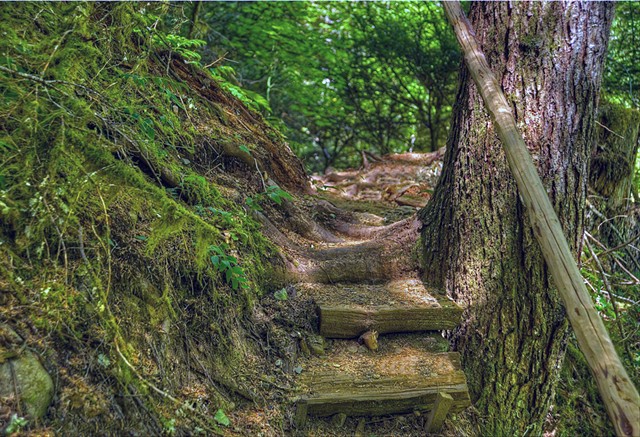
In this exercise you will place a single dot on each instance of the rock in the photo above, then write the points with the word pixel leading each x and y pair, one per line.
pixel 304 347
pixel 415 201
pixel 316 345
pixel 370 340
pixel 32 382
pixel 338 420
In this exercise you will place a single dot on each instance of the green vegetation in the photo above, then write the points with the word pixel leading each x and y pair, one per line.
pixel 113 237
pixel 339 78
pixel 622 69
pixel 130 191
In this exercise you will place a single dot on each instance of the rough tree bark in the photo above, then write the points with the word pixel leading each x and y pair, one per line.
pixel 477 242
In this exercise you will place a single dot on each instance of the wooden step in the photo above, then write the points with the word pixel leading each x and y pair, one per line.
pixel 403 305
pixel 404 376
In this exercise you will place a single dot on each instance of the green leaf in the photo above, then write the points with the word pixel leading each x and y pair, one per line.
pixel 281 294
pixel 275 198
pixel 15 424
pixel 245 149
pixel 221 418
pixel 276 194
pixel 103 360
pixel 251 203
pixel 260 101
pixel 7 146
pixel 147 127
pixel 216 249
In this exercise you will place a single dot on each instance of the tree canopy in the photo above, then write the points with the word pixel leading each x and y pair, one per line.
pixel 341 77
pixel 622 69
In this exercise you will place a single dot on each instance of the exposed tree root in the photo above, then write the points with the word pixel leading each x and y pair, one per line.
pixel 321 242
pixel 344 249
pixel 402 179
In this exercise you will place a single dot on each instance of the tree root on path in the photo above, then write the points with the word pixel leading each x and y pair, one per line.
pixel 348 250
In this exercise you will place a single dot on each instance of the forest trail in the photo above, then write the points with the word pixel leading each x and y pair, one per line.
pixel 169 267
pixel 380 351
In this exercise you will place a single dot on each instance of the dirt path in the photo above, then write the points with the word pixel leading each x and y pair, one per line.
pixel 379 363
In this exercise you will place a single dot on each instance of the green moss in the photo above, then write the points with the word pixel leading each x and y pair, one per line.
pixel 578 406
pixel 108 255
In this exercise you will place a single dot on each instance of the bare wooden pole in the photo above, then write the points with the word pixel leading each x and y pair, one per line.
pixel 618 392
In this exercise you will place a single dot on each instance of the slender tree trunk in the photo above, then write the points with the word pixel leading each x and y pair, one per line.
pixel 477 242
pixel 615 217
pixel 194 19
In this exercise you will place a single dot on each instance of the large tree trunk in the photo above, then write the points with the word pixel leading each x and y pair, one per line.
pixel 478 243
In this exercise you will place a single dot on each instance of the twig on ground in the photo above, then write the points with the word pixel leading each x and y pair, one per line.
pixel 616 258
pixel 216 61
pixel 620 246
pixel 166 395
pixel 616 231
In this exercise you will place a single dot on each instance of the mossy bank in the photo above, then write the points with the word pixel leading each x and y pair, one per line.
pixel 129 259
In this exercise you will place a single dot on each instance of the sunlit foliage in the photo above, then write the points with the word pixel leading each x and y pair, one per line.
pixel 342 77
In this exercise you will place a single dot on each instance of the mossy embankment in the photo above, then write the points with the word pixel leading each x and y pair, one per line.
pixel 129 258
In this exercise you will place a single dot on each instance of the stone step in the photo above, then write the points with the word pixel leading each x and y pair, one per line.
pixel 403 305
pixel 405 375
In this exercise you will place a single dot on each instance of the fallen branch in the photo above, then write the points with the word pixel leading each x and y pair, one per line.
pixel 607 129
pixel 620 246
pixel 617 232
pixel 616 259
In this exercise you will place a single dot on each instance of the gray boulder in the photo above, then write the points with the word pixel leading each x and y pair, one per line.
pixel 21 372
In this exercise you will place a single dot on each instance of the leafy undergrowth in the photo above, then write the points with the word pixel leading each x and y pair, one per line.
pixel 579 409
pixel 129 258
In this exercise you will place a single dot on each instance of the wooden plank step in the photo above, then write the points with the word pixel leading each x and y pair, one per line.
pixel 402 377
pixel 402 305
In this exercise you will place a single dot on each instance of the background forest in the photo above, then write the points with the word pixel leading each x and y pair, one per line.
pixel 384 73
pixel 133 257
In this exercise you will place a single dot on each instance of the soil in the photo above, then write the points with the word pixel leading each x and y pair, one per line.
pixel 406 292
